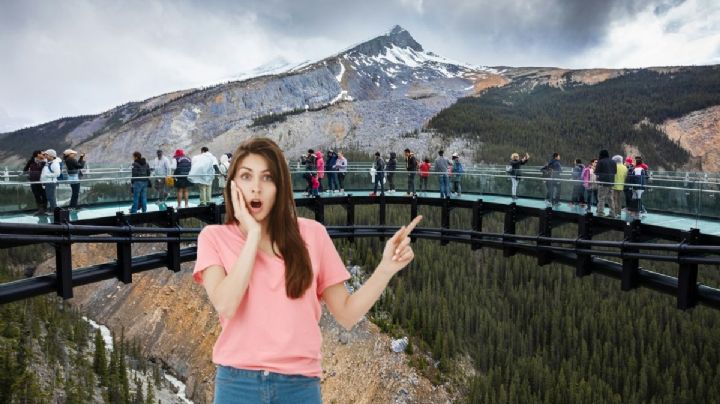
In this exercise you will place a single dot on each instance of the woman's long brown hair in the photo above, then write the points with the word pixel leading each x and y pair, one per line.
pixel 282 224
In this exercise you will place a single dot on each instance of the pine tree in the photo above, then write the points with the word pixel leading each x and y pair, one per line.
pixel 100 365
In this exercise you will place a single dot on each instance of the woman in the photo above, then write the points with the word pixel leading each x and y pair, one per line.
pixel 73 166
pixel 182 165
pixel 265 262
pixel 341 166
pixel 424 174
pixel 515 163
pixel 590 184
pixel 139 182
pixel 33 168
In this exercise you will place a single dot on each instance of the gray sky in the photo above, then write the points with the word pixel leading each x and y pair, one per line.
pixel 76 57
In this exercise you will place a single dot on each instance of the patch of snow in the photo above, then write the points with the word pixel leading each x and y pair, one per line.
pixel 342 72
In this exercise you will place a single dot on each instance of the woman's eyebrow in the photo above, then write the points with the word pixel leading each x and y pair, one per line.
pixel 250 169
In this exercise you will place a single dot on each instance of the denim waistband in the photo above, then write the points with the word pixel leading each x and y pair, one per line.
pixel 262 374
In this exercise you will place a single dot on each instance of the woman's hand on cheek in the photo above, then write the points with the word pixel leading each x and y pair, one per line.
pixel 242 215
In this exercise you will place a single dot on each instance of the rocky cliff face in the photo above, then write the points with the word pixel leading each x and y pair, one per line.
pixel 362 98
pixel 698 133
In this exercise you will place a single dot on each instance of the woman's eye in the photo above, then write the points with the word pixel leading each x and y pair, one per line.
pixel 245 176
pixel 267 178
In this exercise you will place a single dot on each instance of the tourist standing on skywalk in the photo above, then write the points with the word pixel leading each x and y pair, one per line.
pixel 161 170
pixel 379 178
pixel 457 173
pixel 73 166
pixel 181 165
pixel 139 182
pixel 515 173
pixel 411 166
pixel 331 171
pixel 605 171
pixel 203 168
pixel 266 272
pixel 590 184
pixel 49 176
pixel 309 162
pixel 424 174
pixel 551 173
pixel 619 188
pixel 33 169
pixel 320 168
pixel 341 165
pixel 441 168
pixel 390 169
pixel 578 191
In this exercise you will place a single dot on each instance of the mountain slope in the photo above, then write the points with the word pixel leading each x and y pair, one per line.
pixel 355 99
pixel 619 114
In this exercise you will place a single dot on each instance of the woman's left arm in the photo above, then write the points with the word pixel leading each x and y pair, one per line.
pixel 349 309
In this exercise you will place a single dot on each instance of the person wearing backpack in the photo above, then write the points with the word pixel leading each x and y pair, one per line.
pixel 182 165
pixel 379 167
pixel 605 171
pixel 33 168
pixel 139 182
pixel 441 167
pixel 513 170
pixel 73 166
pixel 49 177
pixel 457 172
pixel 635 187
pixel 551 172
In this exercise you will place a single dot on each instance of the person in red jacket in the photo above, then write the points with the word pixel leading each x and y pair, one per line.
pixel 424 174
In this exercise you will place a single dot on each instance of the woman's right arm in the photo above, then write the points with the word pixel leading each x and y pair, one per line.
pixel 227 291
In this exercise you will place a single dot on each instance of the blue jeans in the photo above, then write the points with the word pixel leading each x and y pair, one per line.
pixel 50 195
pixel 258 386
pixel 73 180
pixel 139 196
pixel 333 181
pixel 379 184
pixel 444 186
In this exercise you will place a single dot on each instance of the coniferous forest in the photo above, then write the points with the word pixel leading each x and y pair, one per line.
pixel 578 120
pixel 539 334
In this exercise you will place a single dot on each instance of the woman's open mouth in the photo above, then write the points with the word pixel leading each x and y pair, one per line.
pixel 255 206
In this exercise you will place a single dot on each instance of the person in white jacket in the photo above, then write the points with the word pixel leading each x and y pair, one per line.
pixel 49 176
pixel 202 173
pixel 161 168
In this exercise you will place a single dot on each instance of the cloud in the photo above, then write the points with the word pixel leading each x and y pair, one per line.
pixel 686 34
pixel 83 56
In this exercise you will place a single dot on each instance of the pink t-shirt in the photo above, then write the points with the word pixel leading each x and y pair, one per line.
pixel 270 331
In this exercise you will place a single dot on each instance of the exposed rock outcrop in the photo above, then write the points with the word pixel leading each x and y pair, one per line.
pixel 699 134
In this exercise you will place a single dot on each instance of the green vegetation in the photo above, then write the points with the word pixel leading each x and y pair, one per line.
pixel 538 334
pixel 46 354
pixel 579 120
